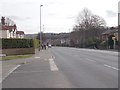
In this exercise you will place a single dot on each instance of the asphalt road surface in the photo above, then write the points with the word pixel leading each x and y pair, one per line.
pixel 62 67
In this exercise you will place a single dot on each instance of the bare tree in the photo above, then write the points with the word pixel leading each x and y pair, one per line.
pixel 88 26
pixel 86 19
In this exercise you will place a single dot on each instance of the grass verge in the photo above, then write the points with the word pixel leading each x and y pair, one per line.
pixel 12 57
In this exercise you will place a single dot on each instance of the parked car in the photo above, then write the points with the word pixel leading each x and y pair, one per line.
pixel 49 46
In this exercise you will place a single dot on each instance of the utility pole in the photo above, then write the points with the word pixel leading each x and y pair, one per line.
pixel 40 30
pixel 118 23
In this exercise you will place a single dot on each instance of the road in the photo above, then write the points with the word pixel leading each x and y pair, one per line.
pixel 61 67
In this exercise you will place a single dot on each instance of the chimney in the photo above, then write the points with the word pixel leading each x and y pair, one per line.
pixel 3 20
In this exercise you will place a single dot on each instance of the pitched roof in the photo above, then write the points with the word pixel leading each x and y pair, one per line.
pixel 20 32
pixel 4 27
pixel 110 31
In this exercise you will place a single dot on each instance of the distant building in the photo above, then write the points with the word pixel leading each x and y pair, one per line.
pixel 30 36
pixel 8 29
pixel 59 39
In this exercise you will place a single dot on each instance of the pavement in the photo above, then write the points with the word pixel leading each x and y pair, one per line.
pixel 10 65
pixel 63 68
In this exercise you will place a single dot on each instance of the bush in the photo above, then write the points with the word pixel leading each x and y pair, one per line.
pixel 103 45
pixel 0 43
pixel 36 43
pixel 17 43
pixel 92 43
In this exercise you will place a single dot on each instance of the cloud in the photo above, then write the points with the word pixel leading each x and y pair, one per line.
pixel 0 15
pixel 111 13
pixel 71 17
pixel 51 14
pixel 51 2
pixel 18 18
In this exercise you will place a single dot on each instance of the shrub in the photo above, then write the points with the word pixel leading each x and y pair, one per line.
pixel 0 43
pixel 36 43
pixel 103 45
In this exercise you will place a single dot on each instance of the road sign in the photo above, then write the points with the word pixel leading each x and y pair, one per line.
pixel 113 38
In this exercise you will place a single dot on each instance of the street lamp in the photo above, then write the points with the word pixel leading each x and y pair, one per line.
pixel 40 29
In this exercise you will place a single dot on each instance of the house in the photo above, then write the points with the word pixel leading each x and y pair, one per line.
pixel 108 32
pixel 8 29
pixel 8 32
pixel 20 34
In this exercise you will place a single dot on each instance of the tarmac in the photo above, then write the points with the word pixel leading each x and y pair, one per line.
pixel 8 66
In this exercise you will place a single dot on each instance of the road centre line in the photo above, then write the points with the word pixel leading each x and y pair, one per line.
pixel 90 60
pixel 36 57
pixel 53 66
pixel 9 72
pixel 28 72
pixel 111 67
pixel 104 65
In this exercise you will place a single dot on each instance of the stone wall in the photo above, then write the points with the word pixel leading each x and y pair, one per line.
pixel 18 51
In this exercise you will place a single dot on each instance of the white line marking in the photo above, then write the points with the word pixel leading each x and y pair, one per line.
pixel 9 72
pixel 36 57
pixel 111 67
pixel 90 60
pixel 53 66
pixel 28 72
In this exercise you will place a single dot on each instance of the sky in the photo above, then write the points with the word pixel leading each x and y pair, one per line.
pixel 56 15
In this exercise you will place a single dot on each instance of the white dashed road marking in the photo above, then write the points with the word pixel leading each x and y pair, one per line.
pixel 36 57
pixel 53 66
pixel 104 65
pixel 111 67
pixel 90 60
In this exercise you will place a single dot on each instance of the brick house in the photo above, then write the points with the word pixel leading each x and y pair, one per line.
pixel 108 32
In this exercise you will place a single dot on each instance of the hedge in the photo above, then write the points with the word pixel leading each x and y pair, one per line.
pixel 17 43
pixel 0 43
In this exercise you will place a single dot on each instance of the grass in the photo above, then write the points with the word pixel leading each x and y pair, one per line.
pixel 12 57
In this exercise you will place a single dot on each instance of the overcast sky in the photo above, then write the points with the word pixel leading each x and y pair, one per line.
pixel 57 15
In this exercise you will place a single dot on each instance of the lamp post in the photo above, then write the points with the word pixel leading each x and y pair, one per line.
pixel 40 29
